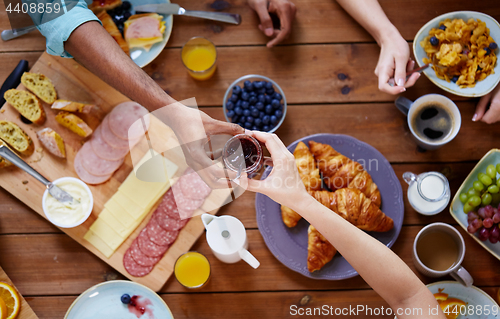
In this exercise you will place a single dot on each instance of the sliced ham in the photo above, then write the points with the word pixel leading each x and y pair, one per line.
pixel 146 27
pixel 84 175
pixel 96 165
pixel 125 120
pixel 105 150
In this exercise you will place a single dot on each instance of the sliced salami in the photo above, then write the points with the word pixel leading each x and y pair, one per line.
pixel 122 118
pixel 85 176
pixel 192 186
pixel 104 150
pixel 183 202
pixel 168 201
pixel 169 224
pixel 160 236
pixel 140 257
pixel 96 165
pixel 185 214
pixel 148 247
pixel 134 268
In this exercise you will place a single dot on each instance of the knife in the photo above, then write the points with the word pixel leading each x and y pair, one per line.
pixel 55 191
pixel 15 33
pixel 172 8
pixel 13 79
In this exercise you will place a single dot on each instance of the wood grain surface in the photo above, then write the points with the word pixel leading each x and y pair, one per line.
pixel 25 312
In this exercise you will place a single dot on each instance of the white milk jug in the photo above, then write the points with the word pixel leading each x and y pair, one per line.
pixel 428 193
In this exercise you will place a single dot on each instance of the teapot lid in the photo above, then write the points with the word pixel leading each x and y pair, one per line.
pixel 226 234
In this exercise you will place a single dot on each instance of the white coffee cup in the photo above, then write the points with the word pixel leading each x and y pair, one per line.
pixel 410 109
pixel 456 270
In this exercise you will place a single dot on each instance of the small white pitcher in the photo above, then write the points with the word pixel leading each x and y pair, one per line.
pixel 428 193
pixel 227 238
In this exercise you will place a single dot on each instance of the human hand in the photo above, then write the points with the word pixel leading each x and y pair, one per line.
pixel 285 9
pixel 492 114
pixel 283 185
pixel 394 62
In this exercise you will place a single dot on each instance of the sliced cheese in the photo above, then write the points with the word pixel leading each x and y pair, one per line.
pixel 114 223
pixel 107 234
pixel 124 213
pixel 98 243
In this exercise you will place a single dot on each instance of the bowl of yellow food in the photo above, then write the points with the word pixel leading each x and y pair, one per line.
pixel 462 48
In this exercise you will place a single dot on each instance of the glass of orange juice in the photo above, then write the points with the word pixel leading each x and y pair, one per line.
pixel 199 56
pixel 192 270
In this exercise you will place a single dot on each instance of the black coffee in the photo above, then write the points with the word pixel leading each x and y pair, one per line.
pixel 432 122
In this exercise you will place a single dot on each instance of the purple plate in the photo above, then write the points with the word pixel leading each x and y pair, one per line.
pixel 289 245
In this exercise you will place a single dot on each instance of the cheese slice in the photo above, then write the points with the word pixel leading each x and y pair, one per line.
pixel 124 213
pixel 98 243
pixel 114 223
pixel 107 234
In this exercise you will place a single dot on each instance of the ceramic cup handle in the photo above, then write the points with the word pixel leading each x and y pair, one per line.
pixel 462 276
pixel 403 104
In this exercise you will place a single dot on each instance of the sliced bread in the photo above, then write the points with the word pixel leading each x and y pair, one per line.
pixel 52 141
pixel 16 138
pixel 73 123
pixel 40 85
pixel 27 104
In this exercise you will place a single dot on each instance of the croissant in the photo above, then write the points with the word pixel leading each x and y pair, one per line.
pixel 352 205
pixel 319 250
pixel 309 175
pixel 341 172
pixel 110 26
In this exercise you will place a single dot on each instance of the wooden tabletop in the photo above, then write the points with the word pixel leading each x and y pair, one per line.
pixel 326 71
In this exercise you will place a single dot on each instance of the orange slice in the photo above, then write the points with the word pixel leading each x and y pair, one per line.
pixel 11 299
pixel 451 307
pixel 3 309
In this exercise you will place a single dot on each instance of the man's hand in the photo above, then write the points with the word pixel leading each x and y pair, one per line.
pixel 394 61
pixel 492 114
pixel 285 10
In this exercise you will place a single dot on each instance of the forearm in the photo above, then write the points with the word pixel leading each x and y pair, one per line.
pixel 369 14
pixel 95 49
pixel 383 270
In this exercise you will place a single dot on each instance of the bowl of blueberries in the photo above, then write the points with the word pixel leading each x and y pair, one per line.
pixel 256 103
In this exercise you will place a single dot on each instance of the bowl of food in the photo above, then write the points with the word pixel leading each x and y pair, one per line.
pixel 462 49
pixel 69 215
pixel 475 205
pixel 255 102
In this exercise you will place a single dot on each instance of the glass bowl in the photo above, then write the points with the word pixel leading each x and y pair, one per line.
pixel 255 77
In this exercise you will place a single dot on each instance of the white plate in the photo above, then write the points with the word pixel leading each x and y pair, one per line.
pixel 103 301
pixel 142 57
pixel 472 296
pixel 482 87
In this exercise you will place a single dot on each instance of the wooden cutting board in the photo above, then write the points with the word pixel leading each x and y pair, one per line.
pixel 74 82
pixel 26 312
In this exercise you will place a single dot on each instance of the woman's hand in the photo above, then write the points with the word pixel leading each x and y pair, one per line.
pixel 492 114
pixel 283 185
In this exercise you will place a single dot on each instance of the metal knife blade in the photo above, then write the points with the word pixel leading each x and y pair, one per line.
pixel 60 195
pixel 163 8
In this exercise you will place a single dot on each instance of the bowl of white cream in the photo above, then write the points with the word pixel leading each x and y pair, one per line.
pixel 69 215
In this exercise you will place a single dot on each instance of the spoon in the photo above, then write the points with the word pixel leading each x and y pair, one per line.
pixel 392 82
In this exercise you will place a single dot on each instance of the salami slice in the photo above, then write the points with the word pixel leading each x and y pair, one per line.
pixel 122 119
pixel 192 186
pixel 134 268
pixel 139 257
pixel 104 150
pixel 96 165
pixel 183 202
pixel 85 176
pixel 160 236
pixel 169 224
pixel 185 214
pixel 148 247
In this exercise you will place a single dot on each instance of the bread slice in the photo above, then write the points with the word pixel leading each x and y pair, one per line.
pixel 16 138
pixel 73 123
pixel 52 141
pixel 110 26
pixel 27 104
pixel 70 106
pixel 3 161
pixel 40 85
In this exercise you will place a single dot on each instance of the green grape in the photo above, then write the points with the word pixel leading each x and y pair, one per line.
pixel 498 182
pixel 468 208
pixel 463 198
pixel 479 176
pixel 498 168
pixel 486 180
pixel 474 201
pixel 491 171
pixel 495 199
pixel 493 189
pixel 478 186
pixel 486 199
pixel 473 192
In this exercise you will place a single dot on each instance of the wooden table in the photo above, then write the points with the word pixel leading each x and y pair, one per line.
pixel 326 70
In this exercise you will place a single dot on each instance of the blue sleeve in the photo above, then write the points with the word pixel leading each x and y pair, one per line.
pixel 58 30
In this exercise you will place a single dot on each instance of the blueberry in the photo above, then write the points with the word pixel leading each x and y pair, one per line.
pixel 255 128
pixel 269 86
pixel 269 109
pixel 126 5
pixel 281 108
pixel 275 103
pixel 262 114
pixel 257 85
pixel 274 119
pixel 248 125
pixel 261 91
pixel 266 119
pixel 254 112
pixel 261 98
pixel 434 41
pixel 248 85
pixel 479 68
pixel 235 119
pixel 259 106
pixel 229 105
pixel 265 128
pixel 126 15
pixel 238 103
pixel 268 99
pixel 236 90
pixel 269 91
pixel 442 27
pixel 258 122
pixel 245 104
pixel 246 112
pixel 277 96
pixel 252 100
pixel 454 79
pixel 234 98
pixel 493 46
pixel 253 93
pixel 245 96
pixel 278 113
pixel 249 119
pixel 238 110
pixel 240 123
pixel 125 298
pixel 488 51
pixel 230 114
